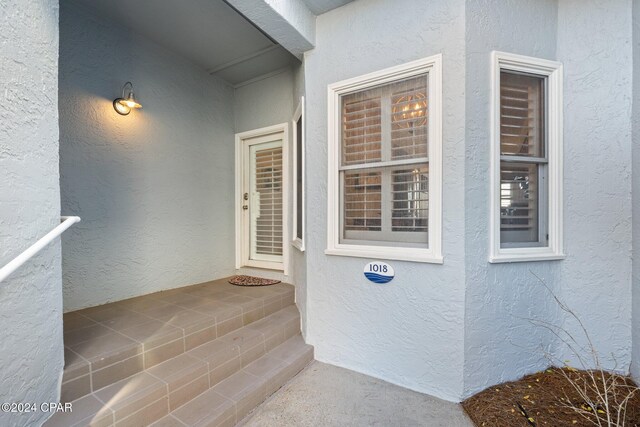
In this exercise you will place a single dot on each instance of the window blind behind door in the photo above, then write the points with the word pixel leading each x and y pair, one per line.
pixel 268 185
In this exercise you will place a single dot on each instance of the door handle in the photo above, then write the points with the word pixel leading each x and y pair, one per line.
pixel 245 207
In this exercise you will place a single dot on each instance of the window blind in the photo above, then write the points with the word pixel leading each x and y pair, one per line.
pixel 521 115
pixel 523 162
pixel 363 201
pixel 268 185
pixel 410 192
pixel 384 162
pixel 361 127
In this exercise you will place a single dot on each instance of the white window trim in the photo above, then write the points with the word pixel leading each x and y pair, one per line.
pixel 239 166
pixel 432 254
pixel 553 72
pixel 297 242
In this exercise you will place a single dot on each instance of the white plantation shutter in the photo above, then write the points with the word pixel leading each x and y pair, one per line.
pixel 363 201
pixel 521 115
pixel 523 161
pixel 267 203
pixel 384 163
pixel 361 128
pixel 410 194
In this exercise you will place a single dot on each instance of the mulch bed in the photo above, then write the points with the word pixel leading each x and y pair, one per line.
pixel 546 399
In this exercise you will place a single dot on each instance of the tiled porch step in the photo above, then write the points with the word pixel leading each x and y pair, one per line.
pixel 108 343
pixel 150 395
pixel 228 402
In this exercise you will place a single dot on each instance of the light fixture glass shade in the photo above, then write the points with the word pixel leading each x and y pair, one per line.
pixel 121 108
pixel 128 101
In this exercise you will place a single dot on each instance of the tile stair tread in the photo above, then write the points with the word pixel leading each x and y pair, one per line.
pixel 179 371
pixel 124 394
pixel 211 407
pixel 148 318
pixel 161 380
pixel 232 342
pixel 207 405
pixel 132 340
pixel 228 401
pixel 89 410
pixel 168 421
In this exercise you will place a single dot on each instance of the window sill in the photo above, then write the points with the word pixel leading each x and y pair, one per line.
pixel 298 244
pixel 386 253
pixel 533 254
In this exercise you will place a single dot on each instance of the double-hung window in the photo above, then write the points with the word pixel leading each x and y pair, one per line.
pixel 385 164
pixel 526 164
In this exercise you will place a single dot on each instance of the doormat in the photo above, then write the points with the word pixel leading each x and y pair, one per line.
pixel 251 281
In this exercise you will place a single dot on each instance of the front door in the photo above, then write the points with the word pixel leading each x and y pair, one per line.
pixel 262 201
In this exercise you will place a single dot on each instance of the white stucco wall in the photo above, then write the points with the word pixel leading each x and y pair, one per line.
pixel 359 326
pixel 635 142
pixel 410 331
pixel 298 259
pixel 289 22
pixel 31 350
pixel 594 43
pixel 592 40
pixel 154 188
pixel 500 344
pixel 264 102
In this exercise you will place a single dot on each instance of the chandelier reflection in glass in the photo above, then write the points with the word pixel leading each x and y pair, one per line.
pixel 410 111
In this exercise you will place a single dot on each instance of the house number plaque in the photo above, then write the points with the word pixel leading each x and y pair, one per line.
pixel 379 272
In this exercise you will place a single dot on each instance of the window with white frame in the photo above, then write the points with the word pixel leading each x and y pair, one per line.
pixel 298 181
pixel 385 164
pixel 527 159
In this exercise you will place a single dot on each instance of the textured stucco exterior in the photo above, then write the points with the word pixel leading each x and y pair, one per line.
pixel 154 188
pixel 594 44
pixel 264 103
pixel 298 260
pixel 31 350
pixel 500 343
pixel 595 278
pixel 410 331
pixel 289 22
pixel 635 142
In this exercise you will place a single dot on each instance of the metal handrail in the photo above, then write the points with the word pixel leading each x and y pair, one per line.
pixel 67 221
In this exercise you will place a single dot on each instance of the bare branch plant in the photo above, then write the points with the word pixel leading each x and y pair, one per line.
pixel 604 394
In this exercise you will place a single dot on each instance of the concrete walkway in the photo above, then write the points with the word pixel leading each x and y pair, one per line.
pixel 324 395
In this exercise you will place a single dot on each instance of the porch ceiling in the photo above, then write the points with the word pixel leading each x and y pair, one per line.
pixel 207 32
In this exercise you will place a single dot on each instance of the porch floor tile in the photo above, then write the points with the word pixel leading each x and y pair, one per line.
pixel 125 337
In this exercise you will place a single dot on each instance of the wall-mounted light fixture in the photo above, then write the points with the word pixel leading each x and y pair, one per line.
pixel 127 102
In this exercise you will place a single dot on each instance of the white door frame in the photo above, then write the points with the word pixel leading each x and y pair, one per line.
pixel 240 161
